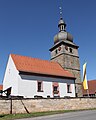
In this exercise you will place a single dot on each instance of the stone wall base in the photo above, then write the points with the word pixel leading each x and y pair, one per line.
pixel 39 105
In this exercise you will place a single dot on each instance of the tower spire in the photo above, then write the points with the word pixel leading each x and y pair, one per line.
pixel 62 24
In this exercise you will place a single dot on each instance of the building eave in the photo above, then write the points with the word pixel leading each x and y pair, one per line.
pixel 64 43
pixel 45 75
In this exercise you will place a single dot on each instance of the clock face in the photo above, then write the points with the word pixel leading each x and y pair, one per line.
pixel 59 48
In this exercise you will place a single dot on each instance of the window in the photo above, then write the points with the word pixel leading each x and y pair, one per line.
pixel 40 86
pixel 55 88
pixel 62 27
pixel 56 51
pixel 71 51
pixel 69 88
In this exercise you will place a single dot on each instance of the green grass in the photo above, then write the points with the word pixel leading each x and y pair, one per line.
pixel 36 114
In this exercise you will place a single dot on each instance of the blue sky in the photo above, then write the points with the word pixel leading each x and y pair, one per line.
pixel 27 27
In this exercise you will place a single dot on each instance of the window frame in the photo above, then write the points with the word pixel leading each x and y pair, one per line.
pixel 69 88
pixel 40 88
pixel 56 89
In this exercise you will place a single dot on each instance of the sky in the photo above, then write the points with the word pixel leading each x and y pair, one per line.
pixel 27 27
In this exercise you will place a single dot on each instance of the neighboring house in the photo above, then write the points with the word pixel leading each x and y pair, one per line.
pixel 31 77
pixel 1 89
pixel 91 88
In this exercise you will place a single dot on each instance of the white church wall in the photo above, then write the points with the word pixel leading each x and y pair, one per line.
pixel 63 90
pixel 11 77
pixel 48 89
pixel 28 86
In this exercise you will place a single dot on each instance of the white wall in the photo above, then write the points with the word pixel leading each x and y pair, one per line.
pixel 63 90
pixel 28 88
pixel 48 89
pixel 11 77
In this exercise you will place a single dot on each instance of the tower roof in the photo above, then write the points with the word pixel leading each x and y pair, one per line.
pixel 61 22
pixel 62 34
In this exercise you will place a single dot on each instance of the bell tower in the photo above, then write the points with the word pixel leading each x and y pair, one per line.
pixel 65 52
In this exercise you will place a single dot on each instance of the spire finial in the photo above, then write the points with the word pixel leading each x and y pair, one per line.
pixel 60 8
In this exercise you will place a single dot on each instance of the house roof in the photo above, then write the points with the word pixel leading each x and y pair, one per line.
pixel 91 87
pixel 1 87
pixel 34 65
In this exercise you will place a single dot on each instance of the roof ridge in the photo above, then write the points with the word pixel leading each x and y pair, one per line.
pixel 91 80
pixel 34 58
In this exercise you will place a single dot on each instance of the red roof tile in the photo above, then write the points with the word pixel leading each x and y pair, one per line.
pixel 91 87
pixel 34 65
pixel 1 87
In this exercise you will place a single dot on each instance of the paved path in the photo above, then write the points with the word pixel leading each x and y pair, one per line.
pixel 81 115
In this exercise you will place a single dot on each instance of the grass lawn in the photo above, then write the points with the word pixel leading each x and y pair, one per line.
pixel 36 114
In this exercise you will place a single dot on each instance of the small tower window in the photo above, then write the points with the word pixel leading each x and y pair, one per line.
pixel 56 51
pixel 62 27
pixel 71 51
pixel 59 48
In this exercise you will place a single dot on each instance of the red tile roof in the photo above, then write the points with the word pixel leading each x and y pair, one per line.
pixel 1 87
pixel 34 65
pixel 91 87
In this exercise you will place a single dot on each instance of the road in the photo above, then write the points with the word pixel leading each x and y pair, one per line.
pixel 81 115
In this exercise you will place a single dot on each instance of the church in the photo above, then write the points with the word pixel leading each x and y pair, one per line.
pixel 60 77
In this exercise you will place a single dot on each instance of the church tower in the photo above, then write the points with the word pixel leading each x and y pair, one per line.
pixel 65 52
